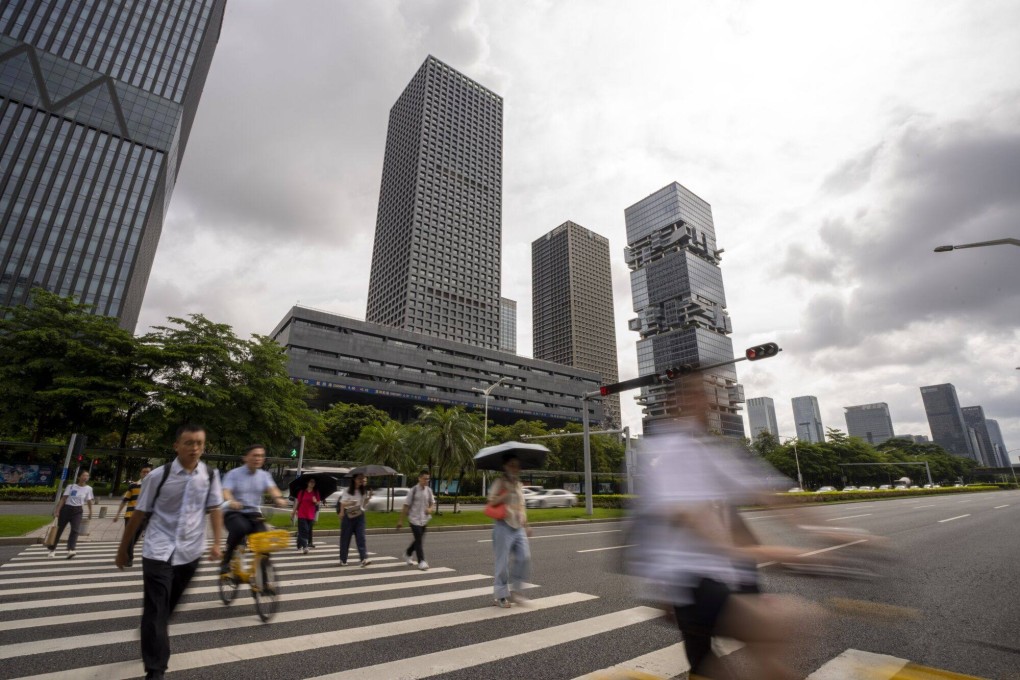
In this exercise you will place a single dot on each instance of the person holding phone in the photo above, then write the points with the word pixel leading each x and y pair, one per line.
pixel 351 508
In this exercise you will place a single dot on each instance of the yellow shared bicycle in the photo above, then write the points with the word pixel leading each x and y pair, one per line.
pixel 252 565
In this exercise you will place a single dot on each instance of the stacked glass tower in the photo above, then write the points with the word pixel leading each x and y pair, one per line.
pixel 97 101
pixel 681 310
pixel 870 422
pixel 808 419
pixel 761 414
pixel 945 418
pixel 572 305
pixel 508 325
pixel 438 234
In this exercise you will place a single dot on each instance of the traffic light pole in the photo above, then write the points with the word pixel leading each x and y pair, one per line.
pixel 301 455
pixel 71 447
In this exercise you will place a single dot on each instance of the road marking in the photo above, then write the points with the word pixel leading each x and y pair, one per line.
pixel 451 660
pixel 667 662
pixel 970 501
pixel 1001 506
pixel 917 507
pixel 134 612
pixel 137 594
pixel 305 643
pixel 785 514
pixel 835 519
pixel 834 547
pixel 612 547
pixel 853 663
pixel 952 518
pixel 66 567
pixel 579 533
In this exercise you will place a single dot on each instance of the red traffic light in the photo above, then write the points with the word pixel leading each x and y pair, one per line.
pixel 95 461
pixel 604 390
pixel 769 349
pixel 80 457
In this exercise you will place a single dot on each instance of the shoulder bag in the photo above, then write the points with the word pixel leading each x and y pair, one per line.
pixel 496 512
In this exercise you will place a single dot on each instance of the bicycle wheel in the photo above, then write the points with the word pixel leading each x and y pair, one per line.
pixel 228 588
pixel 266 590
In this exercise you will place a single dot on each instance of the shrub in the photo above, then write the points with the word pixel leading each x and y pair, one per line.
pixel 27 493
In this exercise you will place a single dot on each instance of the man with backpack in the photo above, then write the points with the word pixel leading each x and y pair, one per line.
pixel 172 508
pixel 419 505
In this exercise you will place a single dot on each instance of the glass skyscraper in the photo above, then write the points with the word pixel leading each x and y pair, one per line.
pixel 870 422
pixel 508 325
pixel 945 418
pixel 438 234
pixel 761 414
pixel 678 295
pixel 572 305
pixel 807 418
pixel 97 101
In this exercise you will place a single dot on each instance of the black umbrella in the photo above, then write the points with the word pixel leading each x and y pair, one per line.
pixel 373 471
pixel 325 484
pixel 531 456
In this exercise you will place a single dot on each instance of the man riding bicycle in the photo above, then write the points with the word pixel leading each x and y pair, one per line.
pixel 243 490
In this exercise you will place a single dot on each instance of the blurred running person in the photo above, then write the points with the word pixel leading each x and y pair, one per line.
pixel 130 499
pixel 69 510
pixel 243 490
pixel 306 509
pixel 351 508
pixel 419 504
pixel 510 535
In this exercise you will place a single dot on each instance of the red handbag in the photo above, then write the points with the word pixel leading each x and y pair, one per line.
pixel 497 512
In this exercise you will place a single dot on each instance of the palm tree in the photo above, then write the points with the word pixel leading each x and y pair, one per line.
pixel 450 437
pixel 384 444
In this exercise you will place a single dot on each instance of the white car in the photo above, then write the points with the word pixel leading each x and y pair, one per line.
pixel 551 498
pixel 796 489
pixel 849 488
pixel 378 500
pixel 826 489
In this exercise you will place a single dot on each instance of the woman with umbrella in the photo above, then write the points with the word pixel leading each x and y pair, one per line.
pixel 351 508
pixel 306 509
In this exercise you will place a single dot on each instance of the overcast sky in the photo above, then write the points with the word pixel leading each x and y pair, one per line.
pixel 837 143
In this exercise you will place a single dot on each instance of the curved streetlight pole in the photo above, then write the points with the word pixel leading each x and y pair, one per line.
pixel 800 479
pixel 486 393
pixel 980 244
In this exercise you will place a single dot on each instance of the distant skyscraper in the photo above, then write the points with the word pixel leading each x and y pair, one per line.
pixel 572 304
pixel 681 309
pixel 808 420
pixel 507 325
pixel 97 100
pixel 995 434
pixel 870 422
pixel 945 419
pixel 974 418
pixel 438 234
pixel 761 414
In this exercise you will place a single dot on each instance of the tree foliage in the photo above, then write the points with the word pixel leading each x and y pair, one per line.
pixel 342 425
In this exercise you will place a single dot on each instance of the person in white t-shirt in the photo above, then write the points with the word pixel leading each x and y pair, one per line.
pixel 351 508
pixel 69 510
pixel 419 505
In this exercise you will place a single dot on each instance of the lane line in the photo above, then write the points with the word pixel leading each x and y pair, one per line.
pixel 917 507
pixel 834 547
pixel 612 547
pixel 1001 506
pixel 853 663
pixel 952 518
pixel 835 519
pixel 281 564
pixel 579 533
pixel 304 643
pixel 667 662
pixel 105 614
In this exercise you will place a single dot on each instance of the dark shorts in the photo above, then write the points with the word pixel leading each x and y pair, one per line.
pixel 702 616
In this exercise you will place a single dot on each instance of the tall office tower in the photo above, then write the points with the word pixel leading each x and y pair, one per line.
pixel 97 100
pixel 808 420
pixel 974 418
pixel 438 234
pixel 945 419
pixel 572 305
pixel 507 325
pixel 870 422
pixel 761 414
pixel 681 310
pixel 995 434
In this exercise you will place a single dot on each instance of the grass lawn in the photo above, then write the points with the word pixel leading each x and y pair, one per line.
pixel 19 525
pixel 384 520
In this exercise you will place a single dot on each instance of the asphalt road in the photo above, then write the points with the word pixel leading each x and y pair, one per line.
pixel 62 617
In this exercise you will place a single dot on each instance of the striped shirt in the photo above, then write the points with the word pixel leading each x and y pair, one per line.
pixel 131 498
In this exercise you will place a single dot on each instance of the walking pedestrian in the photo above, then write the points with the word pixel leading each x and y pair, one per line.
pixel 351 508
pixel 69 510
pixel 130 499
pixel 175 499
pixel 306 509
pixel 510 535
pixel 419 505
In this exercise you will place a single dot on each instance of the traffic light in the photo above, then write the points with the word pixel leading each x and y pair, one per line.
pixel 95 462
pixel 633 383
pixel 80 457
pixel 677 371
pixel 294 447
pixel 769 349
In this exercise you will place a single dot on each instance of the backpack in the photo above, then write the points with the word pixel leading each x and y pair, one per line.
pixel 155 497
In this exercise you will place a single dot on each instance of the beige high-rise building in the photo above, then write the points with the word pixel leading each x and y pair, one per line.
pixel 572 305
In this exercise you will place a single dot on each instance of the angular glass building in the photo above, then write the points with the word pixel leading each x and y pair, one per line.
pixel 974 418
pixel 438 235
pixel 678 296
pixel 572 305
pixel 870 422
pixel 761 414
pixel 808 420
pixel 945 418
pixel 97 100
pixel 507 325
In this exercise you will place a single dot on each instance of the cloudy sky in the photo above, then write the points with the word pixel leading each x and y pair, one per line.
pixel 837 143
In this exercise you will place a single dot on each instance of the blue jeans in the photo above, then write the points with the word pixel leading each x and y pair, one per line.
pixel 356 527
pixel 513 558
pixel 304 533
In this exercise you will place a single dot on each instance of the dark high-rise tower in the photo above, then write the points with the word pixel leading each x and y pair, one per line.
pixel 974 418
pixel 572 305
pixel 438 234
pixel 97 101
pixel 678 295
pixel 945 419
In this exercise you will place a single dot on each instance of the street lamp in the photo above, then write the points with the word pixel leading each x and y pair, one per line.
pixel 980 244
pixel 800 479
pixel 486 393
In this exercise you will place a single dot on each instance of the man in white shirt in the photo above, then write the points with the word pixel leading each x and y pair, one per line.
pixel 243 489
pixel 175 501
pixel 69 511
pixel 419 505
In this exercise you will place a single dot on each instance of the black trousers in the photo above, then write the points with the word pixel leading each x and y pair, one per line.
pixel 418 544
pixel 69 514
pixel 304 533
pixel 239 525
pixel 163 585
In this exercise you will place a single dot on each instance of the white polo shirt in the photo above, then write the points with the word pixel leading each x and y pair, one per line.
pixel 176 530
pixel 77 496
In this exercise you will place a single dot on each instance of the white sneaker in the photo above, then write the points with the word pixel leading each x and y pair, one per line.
pixel 411 561
pixel 71 553
pixel 365 563
pixel 53 553
pixel 423 565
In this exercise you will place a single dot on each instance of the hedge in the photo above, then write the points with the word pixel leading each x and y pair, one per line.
pixel 27 493
pixel 598 500
pixel 828 497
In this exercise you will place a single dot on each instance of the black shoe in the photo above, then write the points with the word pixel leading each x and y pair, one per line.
pixel 224 569
pixel 155 675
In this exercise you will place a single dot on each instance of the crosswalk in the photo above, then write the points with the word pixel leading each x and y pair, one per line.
pixel 78 619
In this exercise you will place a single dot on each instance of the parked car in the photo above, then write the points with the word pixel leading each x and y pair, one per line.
pixel 865 488
pixel 796 489
pixel 849 488
pixel 957 485
pixel 901 487
pixel 535 489
pixel 826 489
pixel 885 487
pixel 551 498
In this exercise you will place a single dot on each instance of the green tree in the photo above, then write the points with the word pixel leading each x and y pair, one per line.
pixel 343 423
pixel 450 437
pixel 764 442
pixel 383 444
